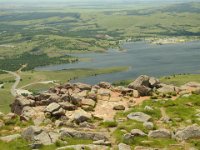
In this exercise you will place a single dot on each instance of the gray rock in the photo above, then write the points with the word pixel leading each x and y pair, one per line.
pixel 105 85
pixel 88 102
pixel 119 107
pixel 123 146
pixel 81 116
pixel 83 147
pixel 161 133
pixel 38 135
pixel 2 124
pixel 137 132
pixel 128 136
pixel 59 112
pixel 83 86
pixel 95 136
pixel 67 106
pixel 102 142
pixel 189 132
pixel 136 94
pixel 164 88
pixel 148 108
pixel 153 82
pixel 142 85
pixel 139 116
pixel 52 107
pixel 10 138
pixel 148 125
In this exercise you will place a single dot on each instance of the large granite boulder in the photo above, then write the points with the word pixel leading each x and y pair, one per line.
pixel 81 116
pixel 139 116
pixel 95 136
pixel 36 134
pixel 189 132
pixel 161 133
pixel 142 85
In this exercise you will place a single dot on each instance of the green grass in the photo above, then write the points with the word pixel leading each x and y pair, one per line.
pixel 181 79
pixel 109 124
pixel 18 144
pixel 184 108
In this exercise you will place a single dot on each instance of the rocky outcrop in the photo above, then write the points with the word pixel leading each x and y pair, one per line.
pixel 189 132
pixel 144 84
pixel 139 116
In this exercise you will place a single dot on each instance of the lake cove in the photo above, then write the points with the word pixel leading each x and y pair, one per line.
pixel 141 58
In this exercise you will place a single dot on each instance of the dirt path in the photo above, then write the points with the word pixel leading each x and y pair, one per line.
pixel 17 80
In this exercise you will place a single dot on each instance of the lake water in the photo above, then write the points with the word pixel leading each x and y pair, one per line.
pixel 141 58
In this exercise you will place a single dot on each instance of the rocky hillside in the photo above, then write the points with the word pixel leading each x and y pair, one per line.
pixel 145 115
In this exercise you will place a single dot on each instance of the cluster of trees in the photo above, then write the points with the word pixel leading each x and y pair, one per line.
pixel 32 61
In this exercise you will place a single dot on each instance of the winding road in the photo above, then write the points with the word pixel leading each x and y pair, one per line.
pixel 17 80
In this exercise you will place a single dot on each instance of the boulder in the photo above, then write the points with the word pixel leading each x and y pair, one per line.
pixel 104 92
pixel 137 132
pixel 136 94
pixel 10 138
pixel 75 99
pixel 52 107
pixel 88 102
pixel 102 142
pixel 83 86
pixel 105 85
pixel 161 133
pixel 36 134
pixel 84 147
pixel 59 112
pixel 2 124
pixel 148 125
pixel 189 132
pixel 27 113
pixel 139 116
pixel 153 82
pixel 164 88
pixel 122 146
pixel 19 103
pixel 119 107
pixel 95 136
pixel 142 85
pixel 67 106
pixel 81 116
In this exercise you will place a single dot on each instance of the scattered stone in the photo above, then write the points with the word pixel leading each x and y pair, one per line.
pixel 102 142
pixel 52 107
pixel 119 107
pixel 144 148
pixel 83 147
pixel 10 138
pixel 68 106
pixel 137 132
pixel 148 108
pixel 95 136
pixel 164 88
pixel 139 116
pixel 148 125
pixel 2 124
pixel 83 86
pixel 128 136
pixel 161 133
pixel 88 102
pixel 123 146
pixel 105 85
pixel 189 132
pixel 38 135
pixel 81 116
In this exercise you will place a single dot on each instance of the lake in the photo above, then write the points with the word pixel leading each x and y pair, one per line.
pixel 141 58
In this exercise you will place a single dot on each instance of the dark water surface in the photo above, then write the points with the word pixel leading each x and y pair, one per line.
pixel 141 58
